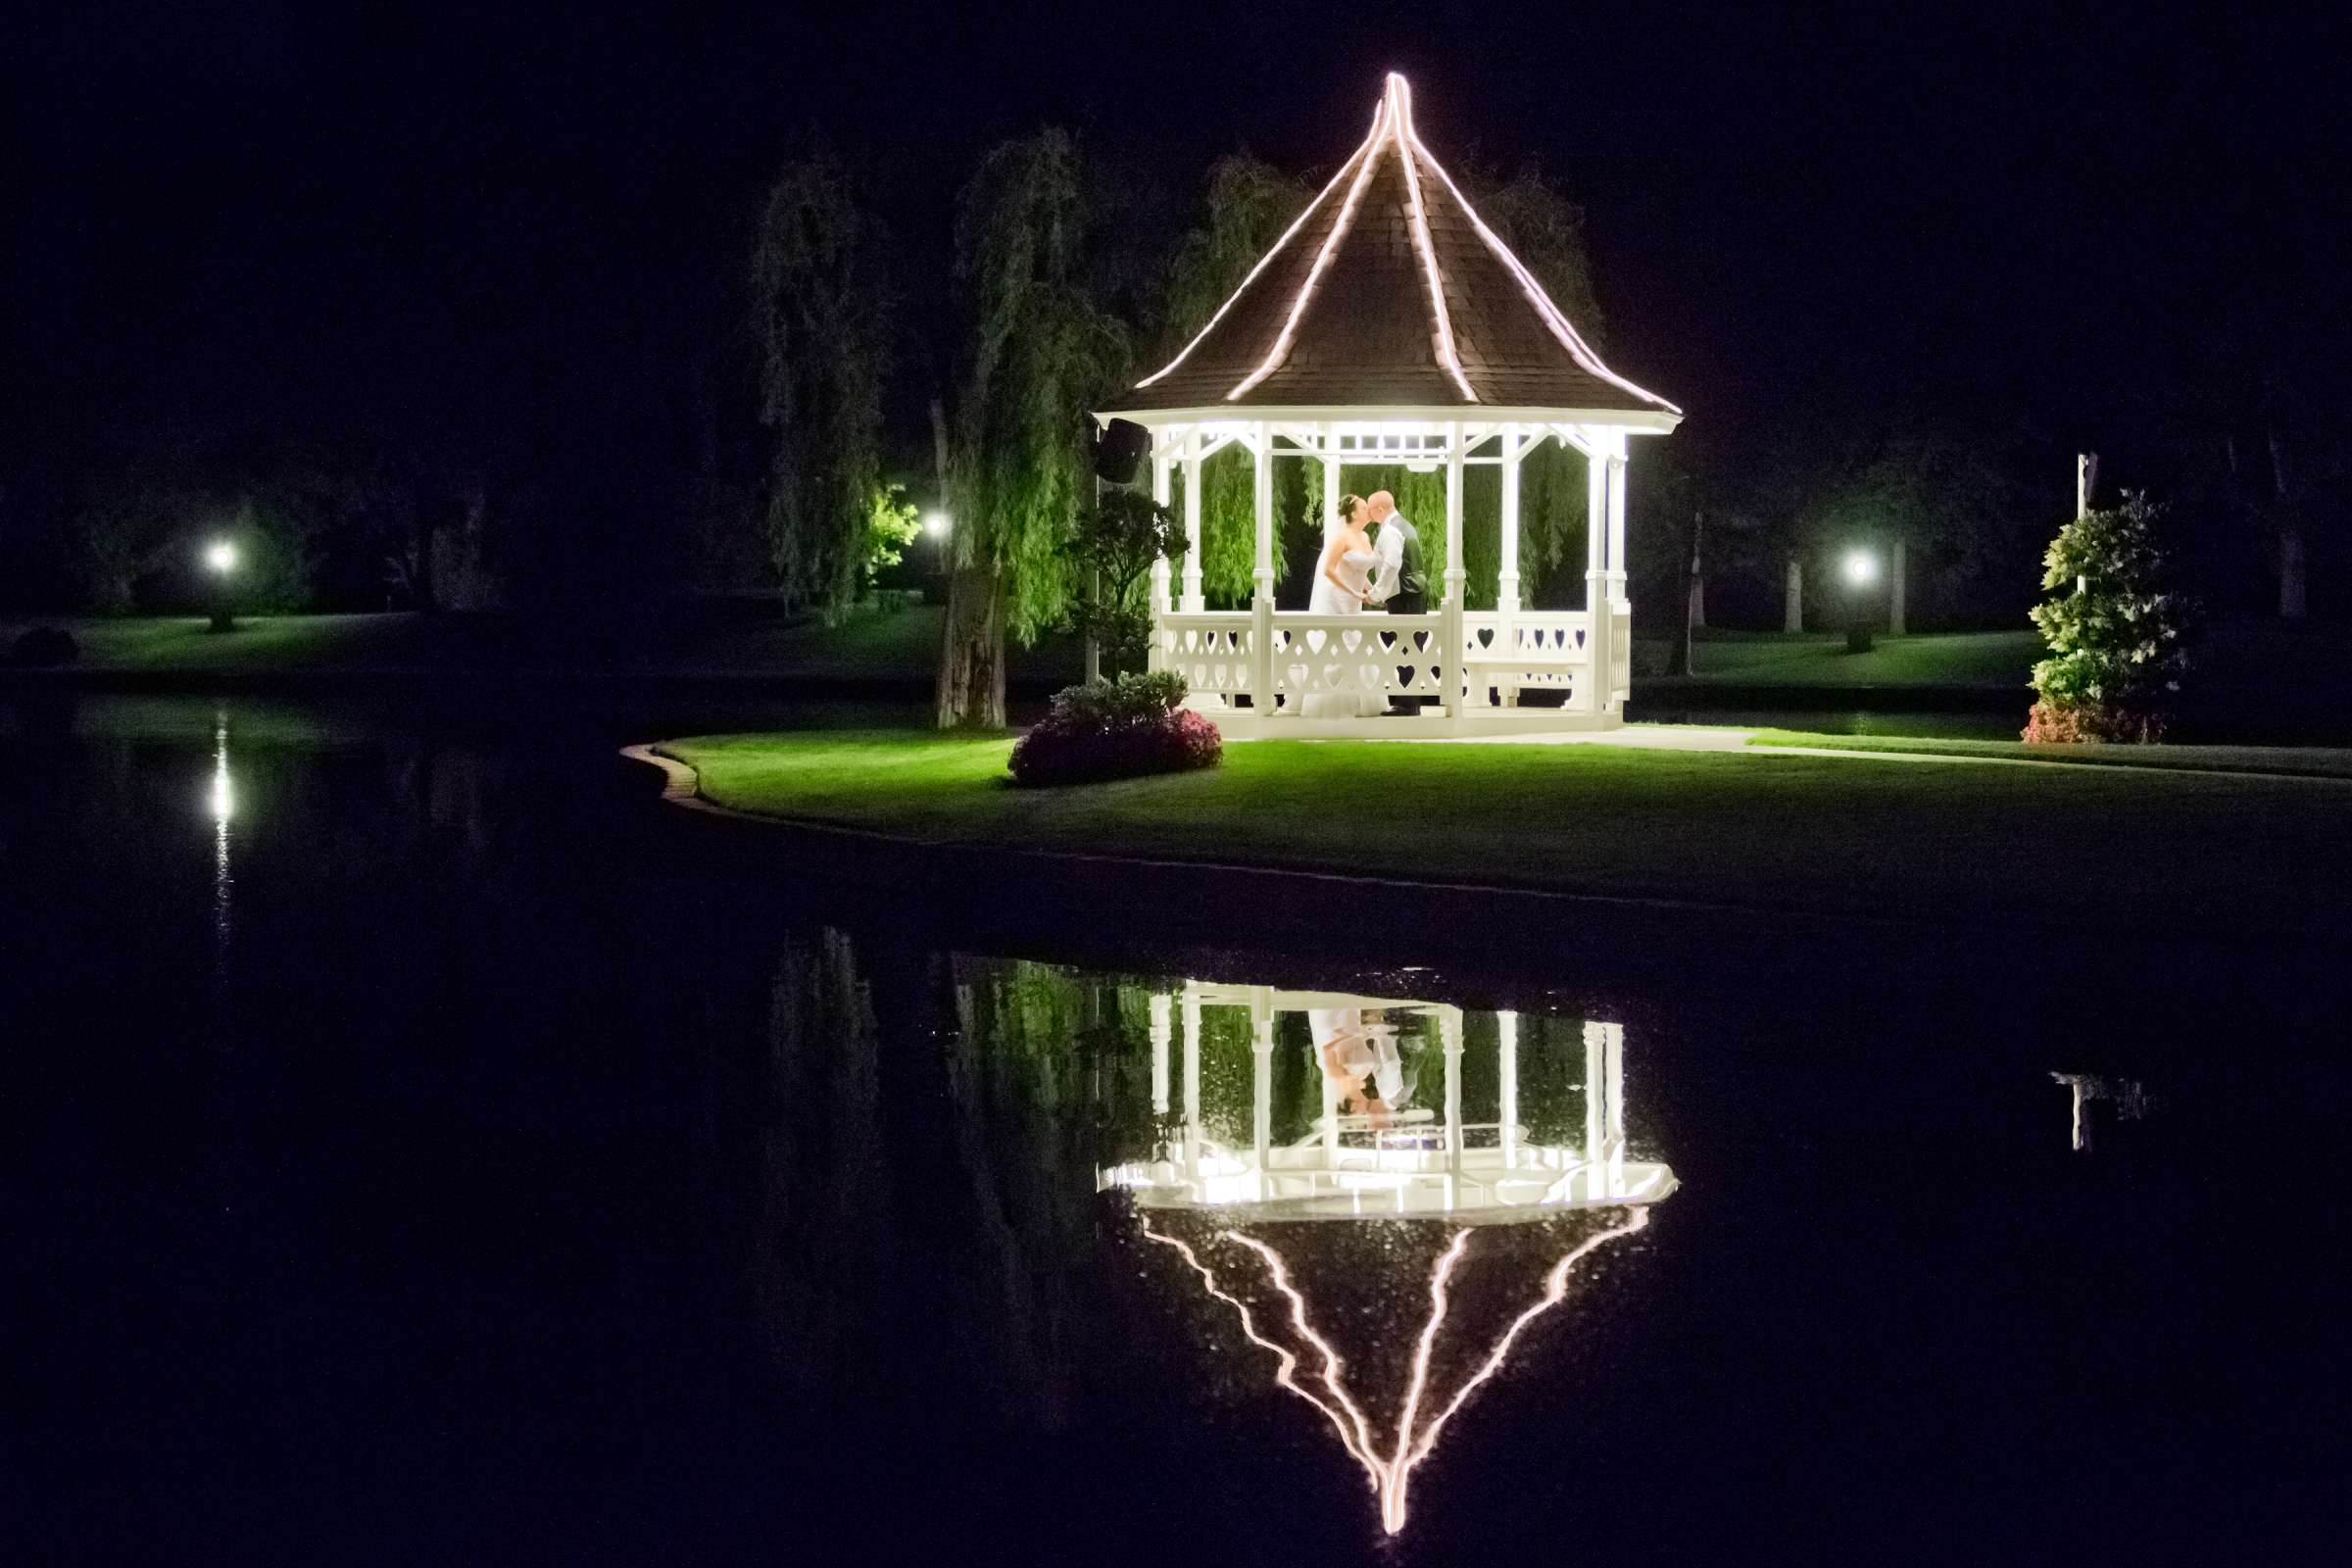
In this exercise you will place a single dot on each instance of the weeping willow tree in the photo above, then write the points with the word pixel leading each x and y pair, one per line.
pixel 824 313
pixel 1042 351
pixel 1250 203
pixel 1545 231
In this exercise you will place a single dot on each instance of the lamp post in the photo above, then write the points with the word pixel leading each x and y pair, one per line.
pixel 1861 570
pixel 221 561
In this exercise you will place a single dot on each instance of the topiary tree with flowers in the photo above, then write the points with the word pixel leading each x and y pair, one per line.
pixel 2118 638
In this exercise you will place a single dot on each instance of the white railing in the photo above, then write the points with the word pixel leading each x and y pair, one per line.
pixel 1344 665
pixel 1213 650
pixel 1509 653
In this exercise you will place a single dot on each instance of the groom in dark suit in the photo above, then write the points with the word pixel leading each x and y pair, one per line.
pixel 1402 587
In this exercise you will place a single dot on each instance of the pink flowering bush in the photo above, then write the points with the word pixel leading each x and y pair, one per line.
pixel 1119 728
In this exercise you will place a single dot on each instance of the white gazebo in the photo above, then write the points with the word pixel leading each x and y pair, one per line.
pixel 1391 325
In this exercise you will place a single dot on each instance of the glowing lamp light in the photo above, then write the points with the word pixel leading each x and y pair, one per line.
pixel 1861 568
pixel 221 557
pixel 935 523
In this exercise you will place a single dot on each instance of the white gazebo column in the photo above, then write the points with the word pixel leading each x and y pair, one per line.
pixel 1455 574
pixel 1261 606
pixel 1620 608
pixel 1331 479
pixel 1599 681
pixel 1194 604
pixel 1506 580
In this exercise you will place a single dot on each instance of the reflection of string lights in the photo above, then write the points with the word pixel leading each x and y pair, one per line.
pixel 1392 1493
pixel 1391 1480
pixel 1556 1287
pixel 1289 1363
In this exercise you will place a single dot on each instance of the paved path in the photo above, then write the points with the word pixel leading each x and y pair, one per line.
pixel 1727 738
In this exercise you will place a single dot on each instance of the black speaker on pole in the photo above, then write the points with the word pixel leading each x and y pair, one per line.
pixel 1120 449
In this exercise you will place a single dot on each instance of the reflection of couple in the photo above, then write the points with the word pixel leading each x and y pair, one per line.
pixel 1357 570
pixel 1359 1053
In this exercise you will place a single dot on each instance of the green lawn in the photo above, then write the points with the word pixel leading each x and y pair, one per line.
pixel 2088 847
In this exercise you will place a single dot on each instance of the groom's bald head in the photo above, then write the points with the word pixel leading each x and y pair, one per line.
pixel 1379 503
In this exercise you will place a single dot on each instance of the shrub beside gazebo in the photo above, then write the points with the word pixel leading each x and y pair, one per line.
pixel 1391 325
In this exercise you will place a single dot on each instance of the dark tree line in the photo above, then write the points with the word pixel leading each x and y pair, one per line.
pixel 830 361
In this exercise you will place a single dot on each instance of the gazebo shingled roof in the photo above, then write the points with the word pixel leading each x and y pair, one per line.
pixel 1390 292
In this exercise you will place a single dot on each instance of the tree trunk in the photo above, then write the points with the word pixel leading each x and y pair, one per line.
pixel 971 693
pixel 1678 659
pixel 1695 601
pixel 1894 593
pixel 939 443
pixel 1792 614
pixel 2291 601
pixel 971 689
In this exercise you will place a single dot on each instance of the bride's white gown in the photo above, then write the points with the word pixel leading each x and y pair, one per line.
pixel 1370 697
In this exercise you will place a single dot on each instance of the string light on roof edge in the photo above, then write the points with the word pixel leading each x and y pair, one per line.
pixel 1394 118
pixel 1384 123
pixel 1561 328
pixel 1401 95
pixel 1279 246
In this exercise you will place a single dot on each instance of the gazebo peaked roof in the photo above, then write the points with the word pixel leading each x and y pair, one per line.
pixel 1390 292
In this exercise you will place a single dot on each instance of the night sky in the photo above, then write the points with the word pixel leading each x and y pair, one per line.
pixel 518 235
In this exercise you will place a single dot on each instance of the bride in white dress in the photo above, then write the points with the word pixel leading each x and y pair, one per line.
pixel 1343 585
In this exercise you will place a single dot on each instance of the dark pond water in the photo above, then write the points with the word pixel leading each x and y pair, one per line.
pixel 423 1147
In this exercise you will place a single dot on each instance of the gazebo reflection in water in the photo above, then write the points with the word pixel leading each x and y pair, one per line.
pixel 1435 1126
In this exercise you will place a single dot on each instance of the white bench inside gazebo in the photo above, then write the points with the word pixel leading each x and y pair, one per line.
pixel 1389 325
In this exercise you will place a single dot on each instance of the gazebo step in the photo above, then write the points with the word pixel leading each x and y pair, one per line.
pixel 1243 725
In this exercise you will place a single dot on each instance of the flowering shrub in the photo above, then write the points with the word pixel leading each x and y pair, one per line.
pixel 1119 728
pixel 2117 640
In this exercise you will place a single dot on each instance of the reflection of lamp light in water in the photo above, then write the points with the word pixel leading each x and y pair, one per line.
pixel 223 803
pixel 223 795
pixel 1391 1479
